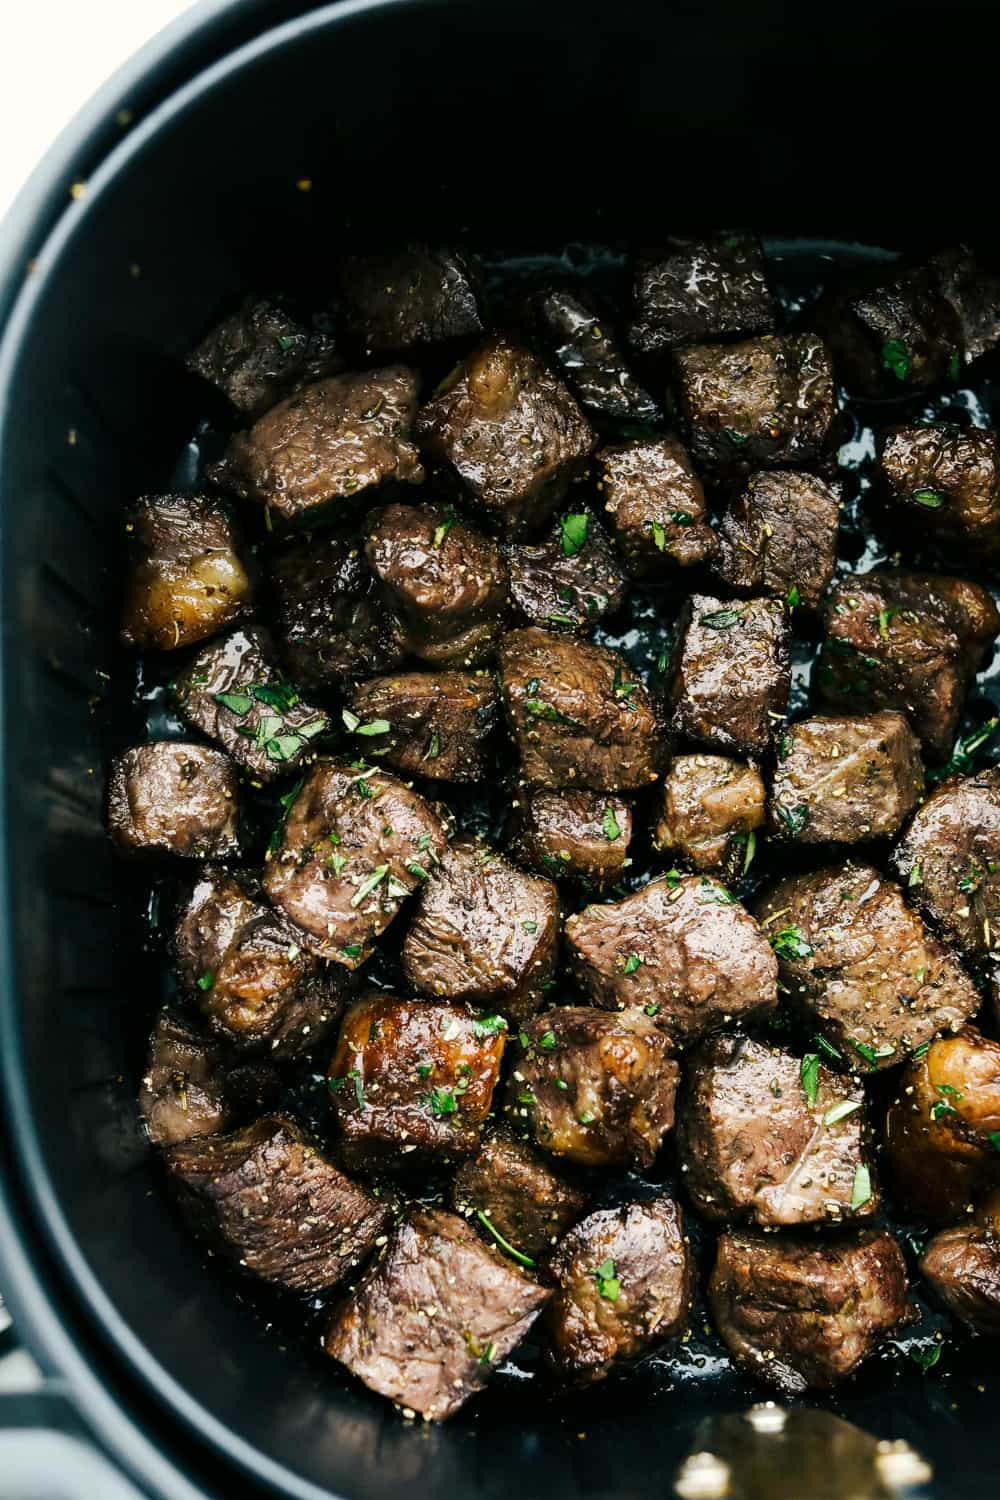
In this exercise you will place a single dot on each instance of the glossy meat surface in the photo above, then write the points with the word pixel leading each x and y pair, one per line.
pixel 171 797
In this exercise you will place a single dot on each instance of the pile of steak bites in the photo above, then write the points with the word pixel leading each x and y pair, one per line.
pixel 380 604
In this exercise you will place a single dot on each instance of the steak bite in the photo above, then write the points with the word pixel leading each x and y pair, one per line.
pixel 408 299
pixel 731 673
pixel 524 1198
pixel 434 1316
pixel 440 724
pixel 568 581
pixel 862 966
pixel 962 1265
pixel 171 797
pixel 578 714
pixel 779 537
pixel 193 1086
pixel 409 1076
pixel 707 811
pixel 625 1280
pixel 944 482
pixel 234 692
pixel 327 443
pixel 355 844
pixel 573 835
pixel 777 1139
pixel 511 431
pixel 973 292
pixel 185 578
pixel 266 1198
pixel 893 331
pixel 692 290
pixel 682 949
pixel 243 964
pixel 802 1313
pixel 761 404
pixel 845 780
pixel 483 931
pixel 445 580
pixel 596 1088
pixel 587 351
pixel 261 353
pixel 657 507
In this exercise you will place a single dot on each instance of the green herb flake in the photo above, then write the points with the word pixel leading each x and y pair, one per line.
pixel 441 531
pixel 631 963
pixel 963 756
pixel 608 1284
pixel 375 726
pixel 721 619
pixel 841 1111
pixel 789 944
pixel 206 980
pixel 547 1040
pixel 829 1050
pixel 369 884
pixel 574 532
pixel 750 851
pixel 736 437
pixel 794 819
pixel 442 1102
pixel 929 499
pixel 351 950
pixel 239 704
pixel 351 721
pixel 955 364
pixel 434 748
pixel 679 518
pixel 484 1219
pixel 896 358
pixel 337 861
pixel 487 1026
pixel 610 825
pixel 916 876
pixel 793 598
pixel 809 1077
pixel 530 927
pixel 926 1358
pixel 861 1192
pixel 659 535
pixel 994 1139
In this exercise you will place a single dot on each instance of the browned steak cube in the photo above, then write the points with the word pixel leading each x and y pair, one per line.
pixel 707 814
pixel 193 1086
pixel 573 835
pixel 439 724
pixel 434 1316
pixel 845 780
pixel 266 1198
pixel 909 641
pixel 174 798
pixel 657 506
pixel 244 965
pixel 185 578
pixel 588 353
pixel 523 1197
pixel 327 443
pixel 625 1279
pixel 863 966
pixel 330 619
pixel 261 353
pixel 408 299
pixel 511 431
pixel 731 673
pixel 596 1088
pixel 893 331
pixel 945 481
pixel 444 579
pixel 578 714
pixel 412 1081
pixel 963 1267
pixel 682 949
pixel 973 292
pixel 568 581
pixel 691 290
pixel 779 537
pixel 483 931
pixel 234 692
pixel 761 404
pixel 802 1314
pixel 771 1137
pixel 355 844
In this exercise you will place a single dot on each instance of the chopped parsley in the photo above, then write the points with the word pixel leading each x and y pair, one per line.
pixel 608 1284
pixel 610 825
pixel 631 963
pixel 369 884
pixel 995 1139
pixel 736 437
pixel 285 801
pixel 434 748
pixel 659 535
pixel 524 1260
pixel 793 598
pixel 442 530
pixel 206 981
pixel 713 894
pixel 721 619
pixel 929 499
pixel 926 1358
pixel 861 1192
pixel 965 751
pixel 829 1050
pixel 872 1055
pixel 789 944
pixel 547 1040
pixel 841 1110
pixel 351 950
pixel 916 876
pixel 442 1102
pixel 751 850
pixel 487 1026
pixel 574 532
pixel 680 518
pixel 896 358
pixel 809 1077
pixel 794 818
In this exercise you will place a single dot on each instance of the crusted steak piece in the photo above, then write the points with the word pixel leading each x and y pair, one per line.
pixel 410 298
pixel 779 537
pixel 972 289
pixel 893 331
pixel 171 797
pixel 691 290
pixel 581 339
pixel 522 1196
pixel 656 505
pixel 573 835
pixel 962 1265
pixel 945 481
pixel 437 724
pixel 193 1085
pixel 707 813
pixel 731 673
pixel 568 581
pixel 259 354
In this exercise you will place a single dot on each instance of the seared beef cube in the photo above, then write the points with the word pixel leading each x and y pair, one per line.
pixel 244 965
pixel 174 798
pixel 657 507
pixel 731 673
pixel 408 299
pixel 945 481
pixel 707 812
pixel 681 948
pixel 569 581
pixel 446 581
pixel 260 353
pixel 588 354
pixel 862 966
pixel 524 1198
pixel 756 405
pixel 693 290
pixel 893 332
pixel 409 1076
pixel 193 1086
pixel 625 1280
pixel 845 780
pixel 330 619
pixel 973 293
pixel 511 431
pixel 440 724
pixel 483 931
pixel 780 537
pixel 234 693
pixel 434 1316
pixel 328 442
pixel 767 1136
pixel 266 1198
pixel 578 714
pixel 573 835
pixel 596 1088
pixel 355 844
pixel 963 1267
pixel 909 641
pixel 801 1313
pixel 185 579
